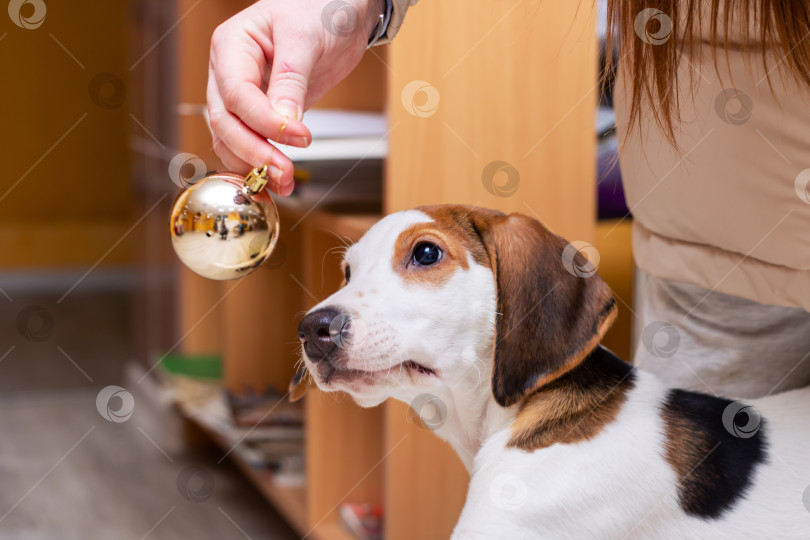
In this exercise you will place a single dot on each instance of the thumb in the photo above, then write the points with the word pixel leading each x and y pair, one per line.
pixel 289 79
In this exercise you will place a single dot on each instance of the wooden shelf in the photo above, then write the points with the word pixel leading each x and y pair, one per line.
pixel 290 502
pixel 332 530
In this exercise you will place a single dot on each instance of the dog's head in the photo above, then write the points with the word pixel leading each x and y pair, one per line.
pixel 434 293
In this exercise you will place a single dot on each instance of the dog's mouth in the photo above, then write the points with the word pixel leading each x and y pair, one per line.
pixel 419 368
pixel 330 373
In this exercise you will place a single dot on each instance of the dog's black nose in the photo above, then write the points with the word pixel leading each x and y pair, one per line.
pixel 320 331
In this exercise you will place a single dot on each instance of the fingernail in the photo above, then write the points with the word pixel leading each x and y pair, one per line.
pixel 275 174
pixel 304 142
pixel 288 108
pixel 286 191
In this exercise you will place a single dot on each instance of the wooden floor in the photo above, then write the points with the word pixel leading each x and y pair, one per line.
pixel 67 473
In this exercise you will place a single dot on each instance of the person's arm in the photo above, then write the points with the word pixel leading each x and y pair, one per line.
pixel 272 61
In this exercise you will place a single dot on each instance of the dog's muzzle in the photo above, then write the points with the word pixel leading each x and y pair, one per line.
pixel 322 332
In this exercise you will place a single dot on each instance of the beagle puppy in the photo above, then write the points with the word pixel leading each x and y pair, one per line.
pixel 488 325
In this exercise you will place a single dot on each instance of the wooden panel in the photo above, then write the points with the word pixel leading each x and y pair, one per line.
pixel 195 139
pixel 617 268
pixel 65 196
pixel 420 467
pixel 64 243
pixel 259 318
pixel 63 140
pixel 344 452
pixel 344 442
pixel 200 313
pixel 194 40
pixel 508 82
pixel 513 82
pixel 152 135
pixel 363 89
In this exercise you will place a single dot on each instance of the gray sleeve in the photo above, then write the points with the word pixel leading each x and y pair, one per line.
pixel 397 10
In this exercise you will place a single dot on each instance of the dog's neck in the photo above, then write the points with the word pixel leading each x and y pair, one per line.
pixel 574 407
pixel 472 415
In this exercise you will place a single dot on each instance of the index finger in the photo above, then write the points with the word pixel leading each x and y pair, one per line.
pixel 237 63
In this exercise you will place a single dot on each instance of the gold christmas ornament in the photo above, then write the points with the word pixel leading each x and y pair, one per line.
pixel 225 226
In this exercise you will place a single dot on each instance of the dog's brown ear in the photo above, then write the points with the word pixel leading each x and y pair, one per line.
pixel 552 307
pixel 298 384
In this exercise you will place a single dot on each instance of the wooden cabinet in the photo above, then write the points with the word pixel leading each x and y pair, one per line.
pixel 491 106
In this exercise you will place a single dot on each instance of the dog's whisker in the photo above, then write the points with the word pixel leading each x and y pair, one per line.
pixel 400 363
pixel 479 379
pixel 345 240
pixel 335 249
pixel 323 260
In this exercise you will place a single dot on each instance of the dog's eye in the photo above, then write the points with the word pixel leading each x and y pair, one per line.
pixel 347 273
pixel 425 254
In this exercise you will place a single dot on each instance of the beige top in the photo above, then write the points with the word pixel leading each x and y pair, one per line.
pixel 729 211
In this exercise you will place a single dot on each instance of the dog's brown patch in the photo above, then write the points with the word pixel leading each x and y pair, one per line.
pixel 685 447
pixel 575 406
pixel 451 230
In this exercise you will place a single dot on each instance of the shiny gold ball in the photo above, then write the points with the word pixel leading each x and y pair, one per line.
pixel 220 229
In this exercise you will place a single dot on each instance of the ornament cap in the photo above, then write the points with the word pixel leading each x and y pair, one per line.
pixel 256 179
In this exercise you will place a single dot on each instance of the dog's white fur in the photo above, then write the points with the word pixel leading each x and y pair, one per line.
pixel 616 485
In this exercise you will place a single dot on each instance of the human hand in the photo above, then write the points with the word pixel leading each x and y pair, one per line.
pixel 268 64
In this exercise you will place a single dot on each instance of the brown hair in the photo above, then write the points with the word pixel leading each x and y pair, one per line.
pixel 641 29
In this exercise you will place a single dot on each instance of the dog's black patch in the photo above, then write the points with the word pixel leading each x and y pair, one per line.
pixel 715 466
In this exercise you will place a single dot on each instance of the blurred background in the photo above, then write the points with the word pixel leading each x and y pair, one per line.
pixel 140 400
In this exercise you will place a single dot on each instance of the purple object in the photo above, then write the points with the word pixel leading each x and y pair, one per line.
pixel 610 201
